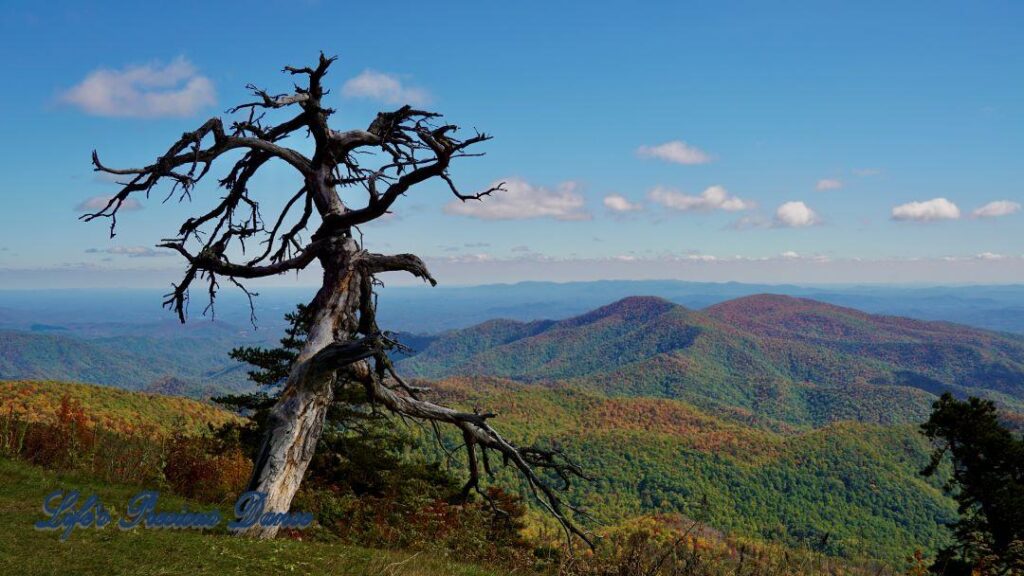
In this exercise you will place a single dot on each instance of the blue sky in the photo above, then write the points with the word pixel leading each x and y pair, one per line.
pixel 772 142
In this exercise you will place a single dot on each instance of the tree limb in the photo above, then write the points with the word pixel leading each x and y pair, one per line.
pixel 377 263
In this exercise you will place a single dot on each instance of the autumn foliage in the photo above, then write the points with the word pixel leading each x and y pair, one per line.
pixel 196 466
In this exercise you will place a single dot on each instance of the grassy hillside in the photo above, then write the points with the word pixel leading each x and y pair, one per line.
pixel 796 361
pixel 110 408
pixel 29 552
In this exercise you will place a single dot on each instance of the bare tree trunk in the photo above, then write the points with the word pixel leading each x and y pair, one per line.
pixel 297 420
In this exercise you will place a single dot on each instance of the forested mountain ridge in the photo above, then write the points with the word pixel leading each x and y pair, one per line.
pixel 789 359
pixel 857 482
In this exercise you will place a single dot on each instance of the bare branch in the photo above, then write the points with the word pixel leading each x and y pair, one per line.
pixel 475 427
pixel 478 196
pixel 377 263
pixel 211 261
pixel 268 101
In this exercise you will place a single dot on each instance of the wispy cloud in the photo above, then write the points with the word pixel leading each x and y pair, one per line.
pixel 676 151
pixel 795 215
pixel 828 184
pixel 521 200
pixel 712 198
pixel 982 257
pixel 131 251
pixel 619 203
pixel 750 222
pixel 151 90
pixel 927 211
pixel 997 209
pixel 97 203
pixel 865 172
pixel 385 88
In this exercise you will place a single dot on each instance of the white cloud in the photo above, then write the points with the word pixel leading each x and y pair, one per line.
pixel 521 200
pixel 676 151
pixel 467 258
pixel 151 90
pixel 699 258
pixel 383 87
pixel 934 209
pixel 828 184
pixel 97 203
pixel 990 256
pixel 996 209
pixel 619 203
pixel 795 215
pixel 713 198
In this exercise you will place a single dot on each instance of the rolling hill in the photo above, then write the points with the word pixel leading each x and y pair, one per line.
pixel 786 359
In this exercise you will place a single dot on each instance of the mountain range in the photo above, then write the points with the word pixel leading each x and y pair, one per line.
pixel 788 360
pixel 770 416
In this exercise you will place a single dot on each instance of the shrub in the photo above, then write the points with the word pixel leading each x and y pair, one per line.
pixel 207 468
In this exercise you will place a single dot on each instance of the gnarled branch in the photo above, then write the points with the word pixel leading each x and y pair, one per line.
pixel 414 144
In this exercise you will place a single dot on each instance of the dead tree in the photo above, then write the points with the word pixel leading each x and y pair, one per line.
pixel 397 152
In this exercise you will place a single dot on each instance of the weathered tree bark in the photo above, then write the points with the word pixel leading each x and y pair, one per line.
pixel 297 420
pixel 344 341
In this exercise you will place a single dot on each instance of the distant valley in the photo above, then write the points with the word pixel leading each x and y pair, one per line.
pixel 159 357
